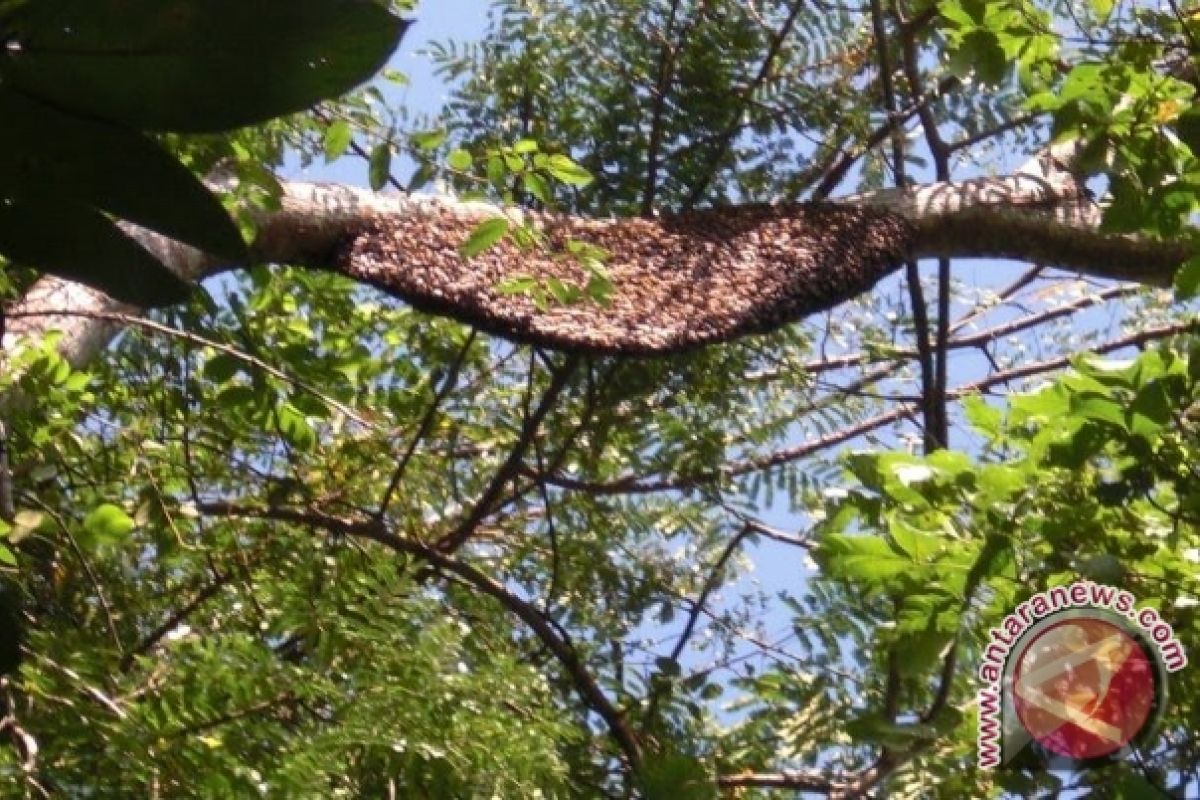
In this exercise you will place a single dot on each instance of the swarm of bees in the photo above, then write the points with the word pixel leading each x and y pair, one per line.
pixel 673 283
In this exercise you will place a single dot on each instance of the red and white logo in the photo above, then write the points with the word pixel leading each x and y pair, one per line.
pixel 1075 673
pixel 1084 688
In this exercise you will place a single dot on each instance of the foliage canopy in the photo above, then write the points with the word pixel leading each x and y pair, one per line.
pixel 291 538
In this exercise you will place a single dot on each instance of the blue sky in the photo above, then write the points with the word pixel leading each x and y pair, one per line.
pixel 436 20
pixel 433 21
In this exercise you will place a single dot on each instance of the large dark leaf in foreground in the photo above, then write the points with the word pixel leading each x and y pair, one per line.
pixel 115 169
pixel 193 65
pixel 74 240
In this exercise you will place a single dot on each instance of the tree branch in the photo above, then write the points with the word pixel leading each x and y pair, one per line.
pixel 512 465
pixel 732 273
pixel 799 780
pixel 637 484
pixel 374 530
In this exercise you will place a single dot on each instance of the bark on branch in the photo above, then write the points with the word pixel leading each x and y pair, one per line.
pixel 678 281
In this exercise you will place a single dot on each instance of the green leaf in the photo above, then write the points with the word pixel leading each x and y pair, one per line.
pixel 7 557
pixel 868 558
pixel 877 728
pixel 920 651
pixel 237 398
pixel 429 140
pixel 379 166
pixel 220 368
pixel 599 287
pixel 1047 404
pixel 1103 568
pixel 1102 9
pixel 1150 410
pixel 424 174
pixel 1187 280
pixel 497 172
pixel 980 54
pixel 337 140
pixel 1000 482
pixel 563 293
pixel 1086 83
pixel 567 171
pixel 293 424
pixel 1131 785
pixel 518 284
pixel 485 235
pixel 77 242
pixel 984 417
pixel 538 186
pixel 1099 407
pixel 913 542
pixel 460 160
pixel 107 524
pixel 671 775
pixel 668 666
pixel 194 65
pixel 116 170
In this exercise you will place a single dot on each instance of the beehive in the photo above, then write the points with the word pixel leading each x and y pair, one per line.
pixel 679 281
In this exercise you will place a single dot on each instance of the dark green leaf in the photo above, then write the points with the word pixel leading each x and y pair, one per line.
pixel 877 728
pixel 116 170
pixel 667 666
pixel 980 53
pixel 77 242
pixel 379 168
pixel 1134 786
pixel 1150 410
pixel 421 177
pixel 674 776
pixel 486 234
pixel 220 368
pixel 195 65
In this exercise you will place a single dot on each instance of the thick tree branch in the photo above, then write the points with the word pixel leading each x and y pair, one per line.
pixel 731 272
pixel 797 780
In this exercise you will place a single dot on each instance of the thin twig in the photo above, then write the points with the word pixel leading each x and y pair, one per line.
pixel 133 320
pixel 448 385
pixel 511 466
